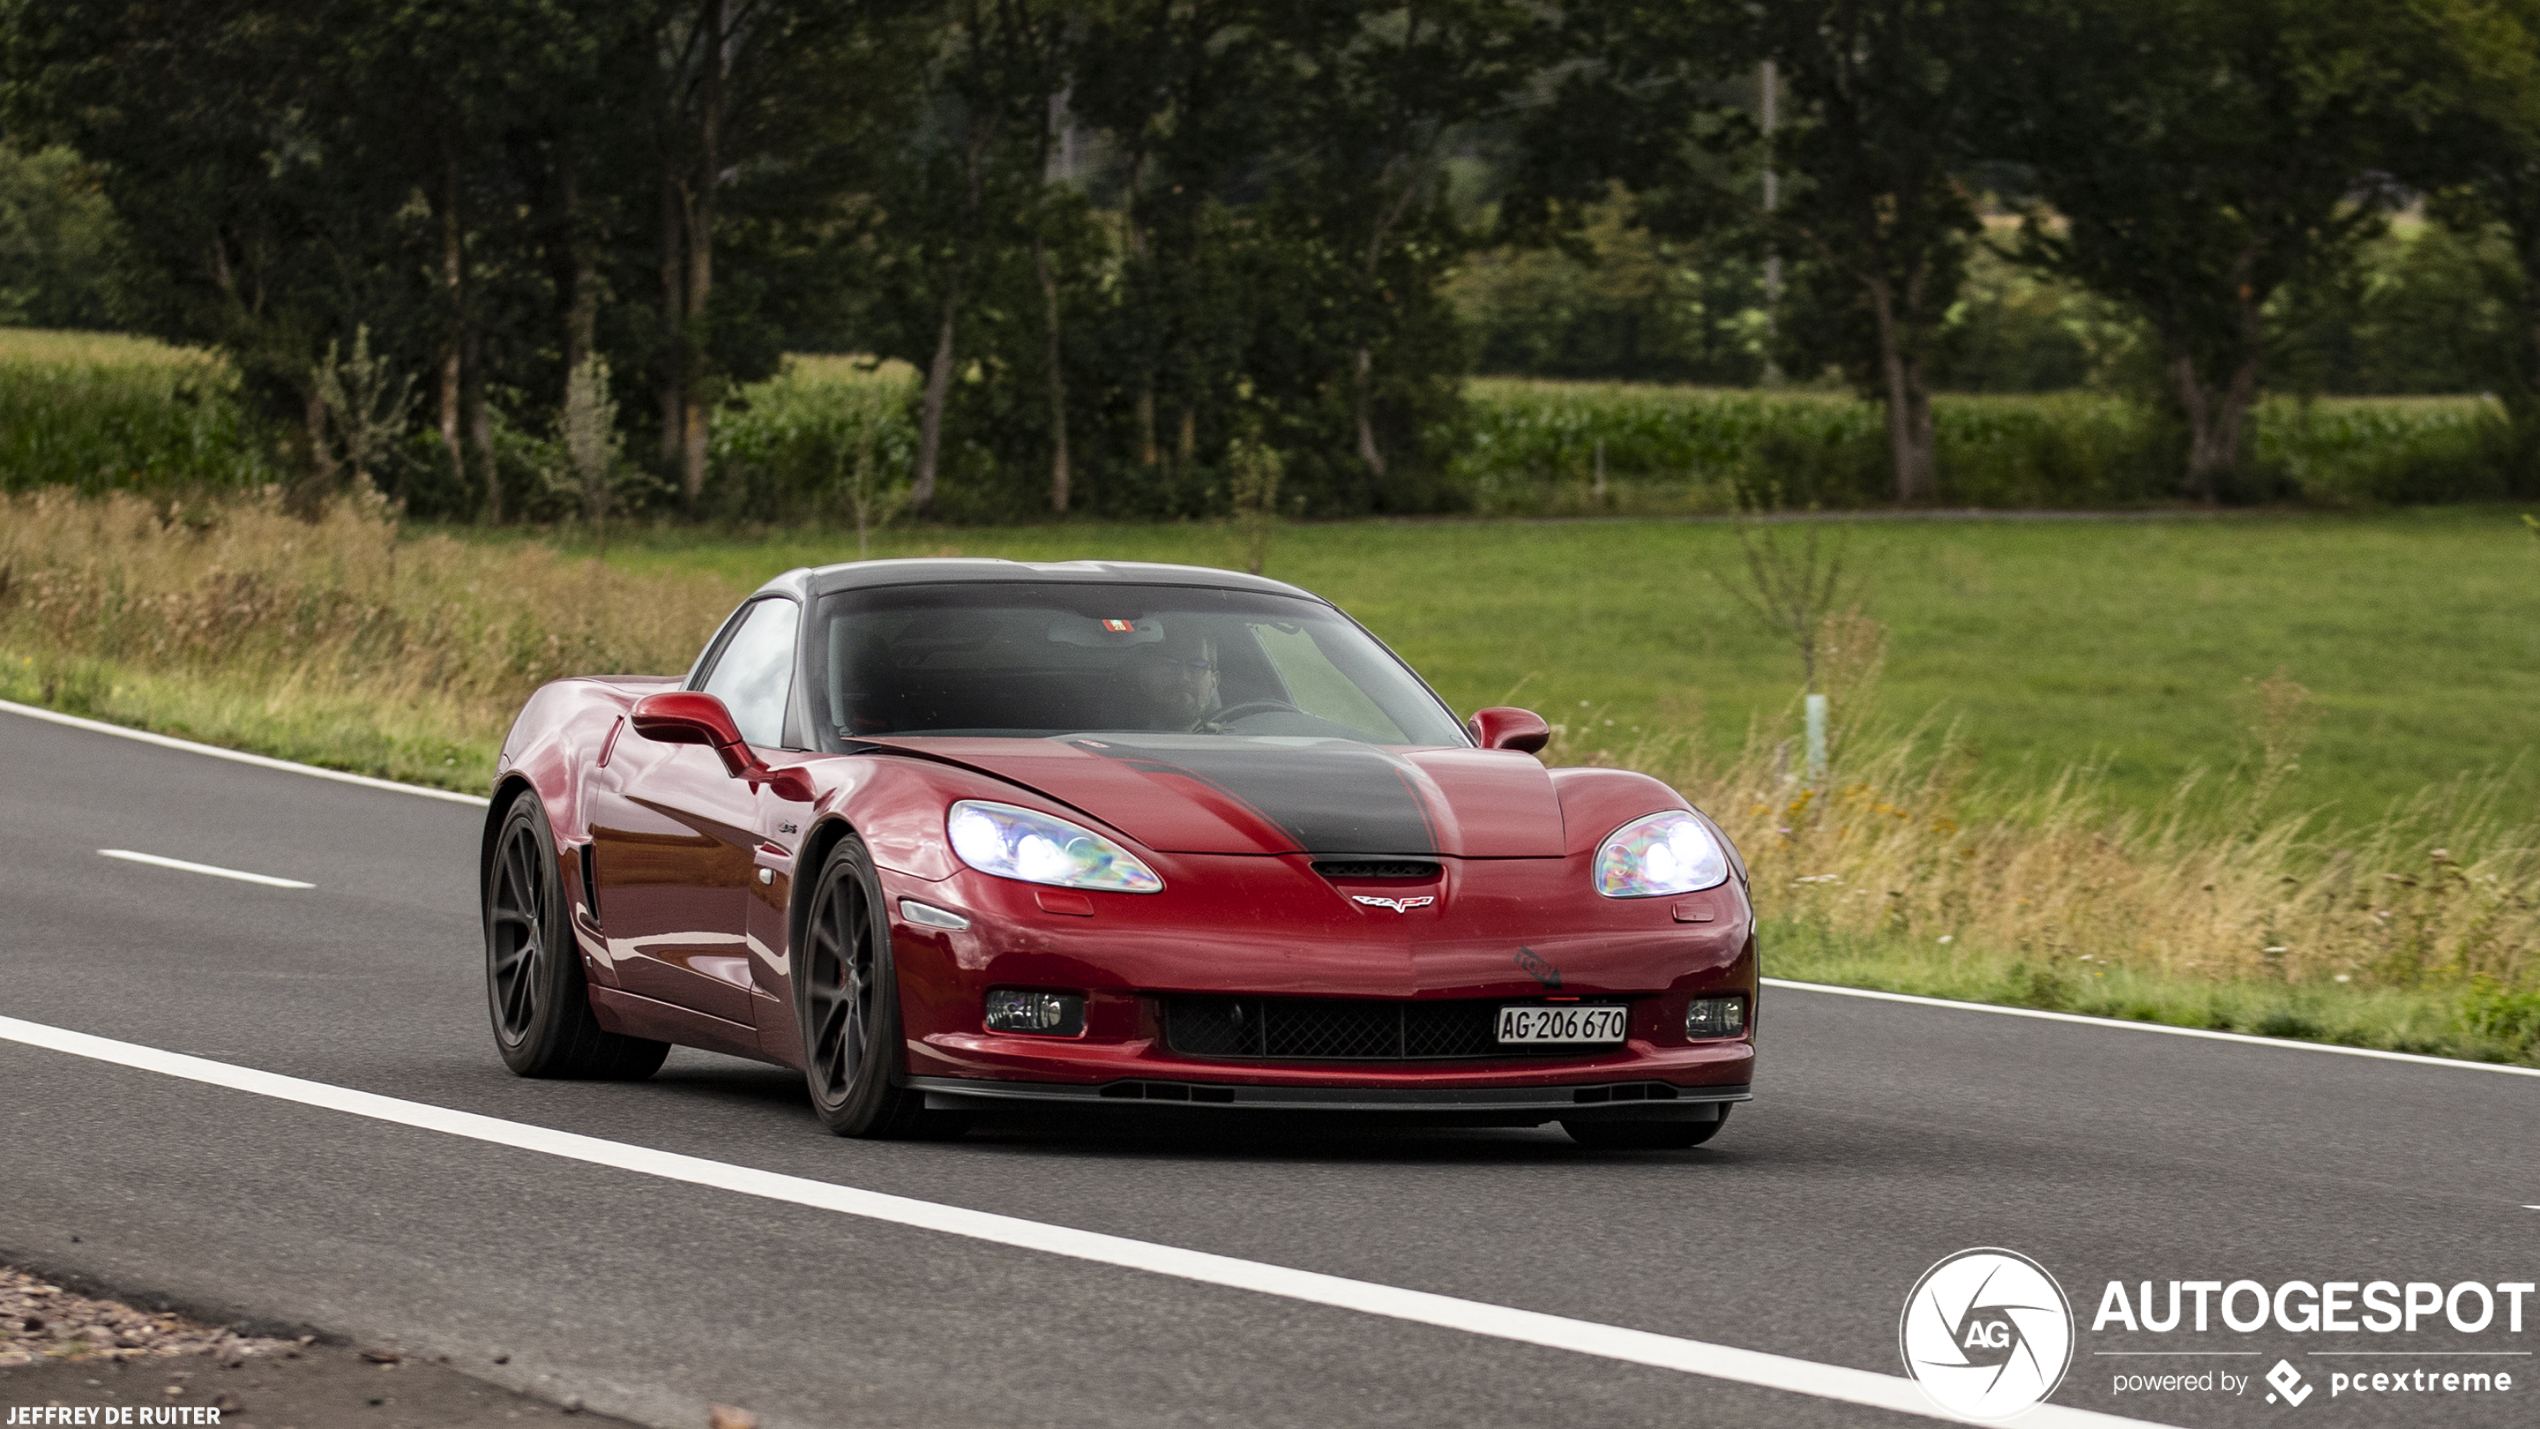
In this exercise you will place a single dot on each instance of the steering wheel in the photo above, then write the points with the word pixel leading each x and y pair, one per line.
pixel 1231 713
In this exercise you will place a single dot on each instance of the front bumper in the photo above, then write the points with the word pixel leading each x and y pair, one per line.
pixel 1522 931
pixel 1496 1106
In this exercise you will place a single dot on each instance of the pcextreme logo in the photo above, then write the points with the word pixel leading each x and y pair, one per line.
pixel 1986 1333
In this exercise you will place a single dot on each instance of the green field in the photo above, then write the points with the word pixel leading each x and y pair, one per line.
pixel 2126 648
pixel 2123 643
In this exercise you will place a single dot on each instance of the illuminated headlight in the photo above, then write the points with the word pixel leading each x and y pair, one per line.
pixel 1054 1014
pixel 1037 848
pixel 1708 1018
pixel 1665 853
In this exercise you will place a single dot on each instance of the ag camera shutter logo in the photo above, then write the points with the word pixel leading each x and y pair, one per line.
pixel 1986 1333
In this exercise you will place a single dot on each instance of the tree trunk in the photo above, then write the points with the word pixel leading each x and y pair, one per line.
pixel 2217 416
pixel 930 423
pixel 672 388
pixel 322 468
pixel 581 277
pixel 2522 401
pixel 1058 378
pixel 479 423
pixel 1909 424
pixel 1362 392
pixel 453 291
pixel 701 254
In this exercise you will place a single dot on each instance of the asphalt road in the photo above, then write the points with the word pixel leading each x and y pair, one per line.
pixel 1883 1137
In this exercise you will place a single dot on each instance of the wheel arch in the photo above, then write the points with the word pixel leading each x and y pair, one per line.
pixel 507 791
pixel 825 836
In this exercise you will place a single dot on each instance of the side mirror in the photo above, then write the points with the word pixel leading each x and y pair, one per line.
pixel 1501 727
pixel 688 717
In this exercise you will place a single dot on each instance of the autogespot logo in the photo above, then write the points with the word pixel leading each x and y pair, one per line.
pixel 1986 1333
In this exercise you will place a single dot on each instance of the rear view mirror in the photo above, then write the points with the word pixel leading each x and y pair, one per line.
pixel 1502 727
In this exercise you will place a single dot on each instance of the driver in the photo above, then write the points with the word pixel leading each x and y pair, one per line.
pixel 1178 676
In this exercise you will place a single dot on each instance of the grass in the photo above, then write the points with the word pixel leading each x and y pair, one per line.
pixel 349 643
pixel 2315 884
pixel 2429 1021
pixel 2126 645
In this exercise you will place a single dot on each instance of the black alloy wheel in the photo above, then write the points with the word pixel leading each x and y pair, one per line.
pixel 534 986
pixel 846 999
pixel 1645 1135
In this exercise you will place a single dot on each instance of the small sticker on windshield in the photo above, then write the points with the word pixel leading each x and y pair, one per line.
pixel 1106 634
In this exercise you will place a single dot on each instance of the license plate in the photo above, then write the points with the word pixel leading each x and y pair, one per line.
pixel 1561 1024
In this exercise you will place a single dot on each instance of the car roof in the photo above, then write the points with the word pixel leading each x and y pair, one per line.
pixel 963 570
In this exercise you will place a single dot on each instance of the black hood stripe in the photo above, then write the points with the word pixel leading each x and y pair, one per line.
pixel 1334 797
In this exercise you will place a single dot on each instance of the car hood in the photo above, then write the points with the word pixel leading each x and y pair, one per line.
pixel 1178 793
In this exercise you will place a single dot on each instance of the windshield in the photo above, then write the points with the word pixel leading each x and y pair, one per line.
pixel 1026 660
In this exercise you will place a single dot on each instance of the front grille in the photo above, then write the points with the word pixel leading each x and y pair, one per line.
pixel 1332 1029
pixel 1374 868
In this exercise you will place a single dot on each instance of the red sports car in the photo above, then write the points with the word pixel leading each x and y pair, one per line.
pixel 962 835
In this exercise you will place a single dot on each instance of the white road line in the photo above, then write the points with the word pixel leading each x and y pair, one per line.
pixel 1613 1342
pixel 152 859
pixel 2285 1043
pixel 215 751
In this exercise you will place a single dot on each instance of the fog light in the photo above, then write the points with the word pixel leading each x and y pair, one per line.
pixel 1053 1014
pixel 1711 1017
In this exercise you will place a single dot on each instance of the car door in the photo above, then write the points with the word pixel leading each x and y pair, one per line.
pixel 674 836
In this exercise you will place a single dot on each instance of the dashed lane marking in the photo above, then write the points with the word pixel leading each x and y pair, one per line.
pixel 155 861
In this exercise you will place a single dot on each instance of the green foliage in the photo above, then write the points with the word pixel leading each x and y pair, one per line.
pixel 1620 303
pixel 98 413
pixel 60 242
pixel 366 404
pixel 786 448
pixel 1536 446
pixel 1254 488
pixel 2203 158
pixel 2424 308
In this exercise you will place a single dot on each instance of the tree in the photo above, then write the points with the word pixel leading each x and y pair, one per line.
pixel 2192 158
pixel 1387 90
pixel 1883 114
pixel 59 241
pixel 752 99
pixel 1879 115
pixel 2481 157
pixel 971 187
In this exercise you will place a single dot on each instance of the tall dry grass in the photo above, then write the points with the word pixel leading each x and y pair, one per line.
pixel 345 639
pixel 1906 855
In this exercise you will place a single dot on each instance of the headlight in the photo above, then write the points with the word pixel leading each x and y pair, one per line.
pixel 1036 848
pixel 1665 853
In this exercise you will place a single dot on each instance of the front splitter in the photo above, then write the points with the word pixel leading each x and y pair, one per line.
pixel 1620 1100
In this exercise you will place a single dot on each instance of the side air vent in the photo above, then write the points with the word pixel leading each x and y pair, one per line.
pixel 1404 868
pixel 590 881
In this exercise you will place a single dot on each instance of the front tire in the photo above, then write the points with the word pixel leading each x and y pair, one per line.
pixel 1644 1135
pixel 534 988
pixel 846 1000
